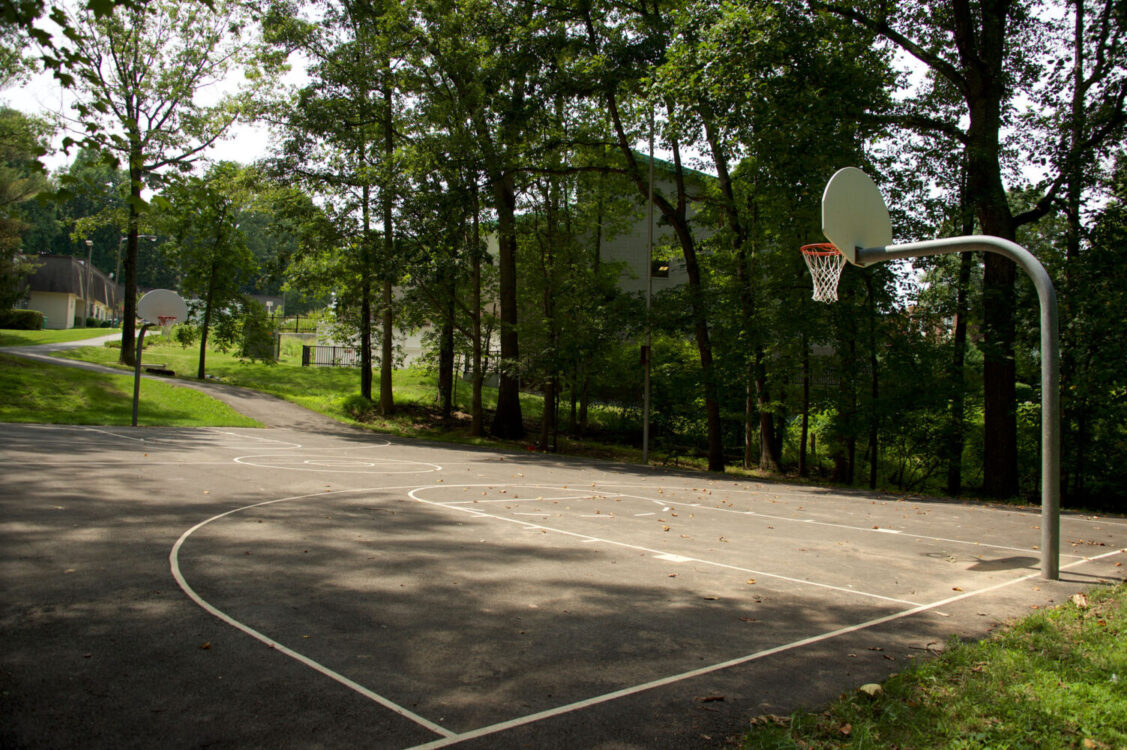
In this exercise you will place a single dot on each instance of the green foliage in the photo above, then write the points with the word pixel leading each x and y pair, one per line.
pixel 186 334
pixel 257 343
pixel 358 407
pixel 21 320
pixel 1054 679
pixel 23 140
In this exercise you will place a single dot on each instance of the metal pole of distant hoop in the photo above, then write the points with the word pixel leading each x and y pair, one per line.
pixel 649 292
pixel 137 370
pixel 1050 367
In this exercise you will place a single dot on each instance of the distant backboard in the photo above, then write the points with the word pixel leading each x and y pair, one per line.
pixel 854 213
pixel 162 303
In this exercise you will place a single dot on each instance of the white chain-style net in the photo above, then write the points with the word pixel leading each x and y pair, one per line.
pixel 166 323
pixel 825 263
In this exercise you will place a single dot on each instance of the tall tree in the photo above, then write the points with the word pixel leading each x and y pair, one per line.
pixel 201 217
pixel 339 133
pixel 22 142
pixel 483 63
pixel 983 53
pixel 138 77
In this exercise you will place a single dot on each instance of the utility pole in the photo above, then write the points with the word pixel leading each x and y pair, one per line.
pixel 86 287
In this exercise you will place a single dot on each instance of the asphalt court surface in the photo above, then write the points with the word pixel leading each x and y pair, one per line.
pixel 278 588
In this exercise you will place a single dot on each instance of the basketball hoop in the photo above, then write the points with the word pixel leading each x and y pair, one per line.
pixel 825 262
pixel 166 322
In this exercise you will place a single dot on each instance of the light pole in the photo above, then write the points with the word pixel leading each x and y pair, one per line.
pixel 86 286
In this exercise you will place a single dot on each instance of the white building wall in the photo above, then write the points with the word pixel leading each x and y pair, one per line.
pixel 57 307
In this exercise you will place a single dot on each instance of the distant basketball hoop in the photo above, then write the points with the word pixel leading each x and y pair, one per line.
pixel 161 307
pixel 166 322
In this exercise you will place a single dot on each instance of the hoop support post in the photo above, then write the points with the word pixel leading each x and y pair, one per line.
pixel 1050 366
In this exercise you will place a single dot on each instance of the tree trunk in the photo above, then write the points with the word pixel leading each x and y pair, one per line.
pixel 874 404
pixel 366 264
pixel 768 445
pixel 446 372
pixel 803 469
pixel 986 83
pixel 129 263
pixel 477 412
pixel 387 351
pixel 957 428
pixel 205 327
pixel 387 357
pixel 507 420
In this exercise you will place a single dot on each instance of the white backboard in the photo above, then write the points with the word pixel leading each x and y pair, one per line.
pixel 854 213
pixel 162 303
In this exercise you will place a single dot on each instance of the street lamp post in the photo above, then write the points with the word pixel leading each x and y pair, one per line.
pixel 86 286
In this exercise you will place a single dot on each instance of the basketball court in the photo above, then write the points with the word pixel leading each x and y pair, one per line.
pixel 283 588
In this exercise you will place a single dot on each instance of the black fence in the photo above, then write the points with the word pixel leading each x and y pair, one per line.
pixel 330 356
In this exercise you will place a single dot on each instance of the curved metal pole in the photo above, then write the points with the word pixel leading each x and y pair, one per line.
pixel 137 369
pixel 1050 366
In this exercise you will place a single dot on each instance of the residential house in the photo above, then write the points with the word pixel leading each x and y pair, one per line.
pixel 67 291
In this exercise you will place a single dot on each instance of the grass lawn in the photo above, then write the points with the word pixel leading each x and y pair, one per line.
pixel 1056 679
pixel 32 338
pixel 326 389
pixel 45 394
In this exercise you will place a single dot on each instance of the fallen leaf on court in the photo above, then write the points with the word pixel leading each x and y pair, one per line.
pixel 665 528
pixel 846 729
pixel 765 719
pixel 748 619
pixel 711 598
pixel 723 539
pixel 871 689
pixel 956 588
pixel 1080 601
pixel 206 492
pixel 205 646
pixel 710 698
pixel 751 580
pixel 672 575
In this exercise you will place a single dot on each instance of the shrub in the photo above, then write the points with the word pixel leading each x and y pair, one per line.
pixel 257 335
pixel 186 334
pixel 359 408
pixel 21 320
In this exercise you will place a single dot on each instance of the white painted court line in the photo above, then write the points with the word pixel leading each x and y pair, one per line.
pixel 664 681
pixel 537 527
pixel 174 564
pixel 847 527
pixel 524 499
pixel 308 456
pixel 448 736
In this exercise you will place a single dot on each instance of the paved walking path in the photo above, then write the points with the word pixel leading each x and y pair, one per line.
pixel 271 411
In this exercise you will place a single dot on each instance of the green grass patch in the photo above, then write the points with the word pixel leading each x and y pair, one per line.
pixel 33 338
pixel 1056 679
pixel 329 391
pixel 48 394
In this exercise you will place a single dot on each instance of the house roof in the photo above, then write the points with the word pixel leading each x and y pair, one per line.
pixel 65 274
